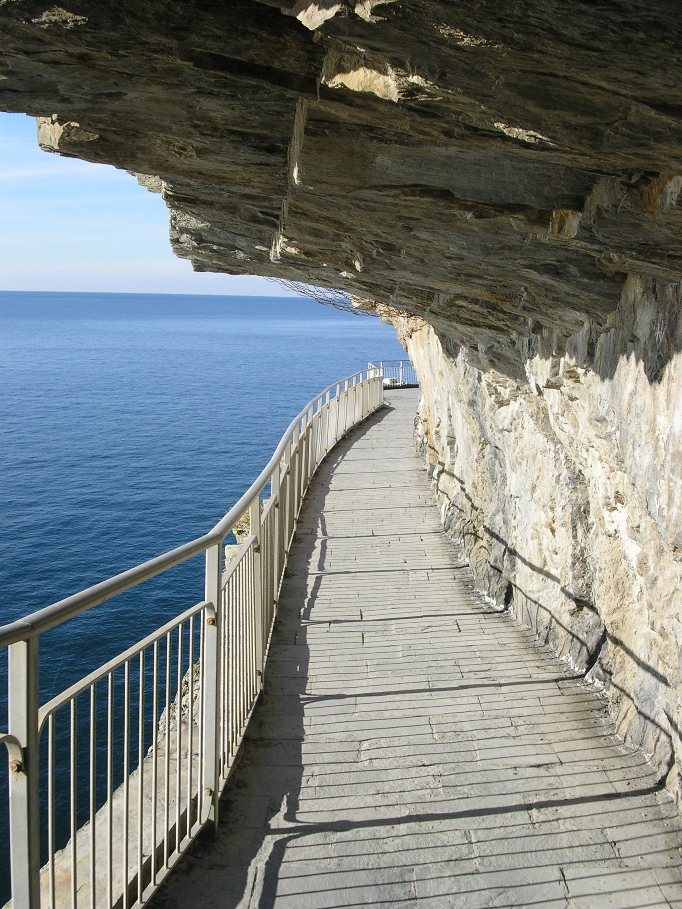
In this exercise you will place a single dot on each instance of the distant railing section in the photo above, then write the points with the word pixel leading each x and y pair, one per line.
pixel 396 373
pixel 142 746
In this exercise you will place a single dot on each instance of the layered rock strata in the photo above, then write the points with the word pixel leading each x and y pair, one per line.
pixel 510 175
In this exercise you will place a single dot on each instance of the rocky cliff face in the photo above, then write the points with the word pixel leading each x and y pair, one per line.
pixel 564 492
pixel 508 176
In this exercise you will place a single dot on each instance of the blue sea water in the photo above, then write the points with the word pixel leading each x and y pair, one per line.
pixel 131 423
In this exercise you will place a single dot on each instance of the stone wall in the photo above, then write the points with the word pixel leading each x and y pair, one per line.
pixel 564 489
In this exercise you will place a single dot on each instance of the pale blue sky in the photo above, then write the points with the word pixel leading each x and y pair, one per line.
pixel 73 226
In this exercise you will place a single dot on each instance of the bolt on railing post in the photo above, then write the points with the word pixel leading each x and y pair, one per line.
pixel 23 776
pixel 213 708
pixel 255 528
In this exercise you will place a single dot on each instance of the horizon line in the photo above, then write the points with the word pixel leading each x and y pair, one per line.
pixel 154 293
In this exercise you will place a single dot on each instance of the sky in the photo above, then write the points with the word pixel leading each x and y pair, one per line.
pixel 68 225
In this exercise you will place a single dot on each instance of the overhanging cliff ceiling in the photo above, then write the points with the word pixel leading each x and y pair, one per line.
pixel 494 167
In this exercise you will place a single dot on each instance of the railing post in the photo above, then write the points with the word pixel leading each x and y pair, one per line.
pixel 213 708
pixel 400 373
pixel 255 528
pixel 317 426
pixel 327 422
pixel 276 518
pixel 23 776
pixel 337 434
pixel 345 406
pixel 308 450
pixel 284 496
pixel 296 465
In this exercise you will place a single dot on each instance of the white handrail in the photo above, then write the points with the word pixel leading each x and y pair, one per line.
pixel 396 373
pixel 152 734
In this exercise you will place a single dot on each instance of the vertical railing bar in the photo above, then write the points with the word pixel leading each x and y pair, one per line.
pixel 226 692
pixel 50 808
pixel 233 651
pixel 240 676
pixel 178 741
pixel 240 632
pixel 126 778
pixel 73 799
pixel 110 787
pixel 140 781
pixel 202 664
pixel 247 621
pixel 155 756
pixel 190 720
pixel 293 458
pixel 227 669
pixel 166 762
pixel 247 639
pixel 252 628
pixel 234 659
pixel 245 643
pixel 231 656
pixel 93 781
pixel 255 621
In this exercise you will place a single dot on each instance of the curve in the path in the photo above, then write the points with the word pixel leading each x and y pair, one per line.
pixel 415 749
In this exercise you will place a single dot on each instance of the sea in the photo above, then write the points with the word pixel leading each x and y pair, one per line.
pixel 130 423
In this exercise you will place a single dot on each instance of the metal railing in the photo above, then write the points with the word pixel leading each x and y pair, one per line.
pixel 143 746
pixel 396 373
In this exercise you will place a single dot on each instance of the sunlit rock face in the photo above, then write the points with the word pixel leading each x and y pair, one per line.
pixel 505 175
pixel 564 492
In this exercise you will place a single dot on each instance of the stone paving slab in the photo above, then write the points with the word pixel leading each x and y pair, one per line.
pixel 415 748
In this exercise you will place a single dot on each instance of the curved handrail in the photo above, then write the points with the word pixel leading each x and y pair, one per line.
pixel 42 619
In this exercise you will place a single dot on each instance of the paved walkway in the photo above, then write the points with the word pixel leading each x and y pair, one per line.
pixel 416 749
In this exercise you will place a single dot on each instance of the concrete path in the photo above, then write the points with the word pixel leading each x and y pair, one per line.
pixel 414 748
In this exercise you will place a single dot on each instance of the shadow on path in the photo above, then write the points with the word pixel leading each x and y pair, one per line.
pixel 414 748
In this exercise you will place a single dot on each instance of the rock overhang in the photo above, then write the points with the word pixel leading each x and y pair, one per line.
pixel 497 170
